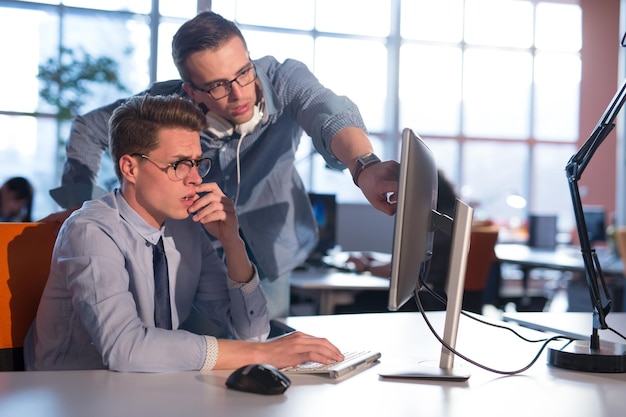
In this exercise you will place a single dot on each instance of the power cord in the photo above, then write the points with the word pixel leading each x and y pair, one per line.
pixel 473 362
pixel 545 341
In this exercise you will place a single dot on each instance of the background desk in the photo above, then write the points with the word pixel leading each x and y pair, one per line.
pixel 332 287
pixel 577 325
pixel 540 391
pixel 568 258
pixel 564 259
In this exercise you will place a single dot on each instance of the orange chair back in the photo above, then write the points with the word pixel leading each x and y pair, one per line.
pixel 25 254
pixel 480 257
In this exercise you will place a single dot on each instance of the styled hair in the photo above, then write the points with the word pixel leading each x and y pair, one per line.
pixel 208 30
pixel 23 190
pixel 134 126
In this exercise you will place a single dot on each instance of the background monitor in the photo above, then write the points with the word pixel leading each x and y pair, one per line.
pixel 325 213
pixel 415 223
pixel 542 231
pixel 596 223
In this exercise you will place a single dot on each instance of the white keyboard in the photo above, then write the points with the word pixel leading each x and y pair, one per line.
pixel 353 361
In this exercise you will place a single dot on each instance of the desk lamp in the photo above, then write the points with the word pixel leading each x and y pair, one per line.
pixel 592 355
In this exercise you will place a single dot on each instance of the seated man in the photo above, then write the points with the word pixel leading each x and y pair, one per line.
pixel 100 308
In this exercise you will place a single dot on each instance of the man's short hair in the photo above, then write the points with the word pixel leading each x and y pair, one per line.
pixel 208 30
pixel 134 126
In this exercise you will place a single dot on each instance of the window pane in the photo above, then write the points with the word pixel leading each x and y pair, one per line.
pixel 499 23
pixel 446 152
pixel 440 20
pixel 37 40
pixel 366 17
pixel 430 89
pixel 43 1
pixel 550 187
pixel 496 93
pixel 492 171
pixel 557 96
pixel 346 66
pixel 137 6
pixel 568 36
pixel 28 148
pixel 224 7
pixel 276 13
pixel 166 70
pixel 280 45
pixel 178 8
pixel 95 34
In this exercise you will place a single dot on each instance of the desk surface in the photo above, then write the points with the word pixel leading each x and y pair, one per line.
pixel 566 258
pixel 541 390
pixel 577 325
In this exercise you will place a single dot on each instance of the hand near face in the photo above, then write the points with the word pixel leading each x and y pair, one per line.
pixel 216 212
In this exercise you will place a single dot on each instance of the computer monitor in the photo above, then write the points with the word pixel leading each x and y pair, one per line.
pixel 596 223
pixel 325 213
pixel 542 230
pixel 415 223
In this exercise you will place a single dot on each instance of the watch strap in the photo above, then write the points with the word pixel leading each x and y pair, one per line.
pixel 363 162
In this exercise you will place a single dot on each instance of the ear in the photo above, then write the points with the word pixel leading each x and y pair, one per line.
pixel 128 168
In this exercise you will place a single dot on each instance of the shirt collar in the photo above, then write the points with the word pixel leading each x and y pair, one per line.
pixel 137 222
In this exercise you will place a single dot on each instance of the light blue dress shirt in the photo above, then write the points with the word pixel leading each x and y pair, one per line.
pixel 274 211
pixel 97 309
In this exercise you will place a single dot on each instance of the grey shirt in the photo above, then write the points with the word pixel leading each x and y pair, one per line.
pixel 97 309
pixel 274 211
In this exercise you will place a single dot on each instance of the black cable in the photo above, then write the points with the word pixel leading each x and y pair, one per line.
pixel 473 362
pixel 444 302
pixel 546 341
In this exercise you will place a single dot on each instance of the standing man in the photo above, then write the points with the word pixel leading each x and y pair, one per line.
pixel 256 111
pixel 113 301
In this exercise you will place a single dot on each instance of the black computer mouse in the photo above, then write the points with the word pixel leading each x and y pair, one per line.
pixel 258 378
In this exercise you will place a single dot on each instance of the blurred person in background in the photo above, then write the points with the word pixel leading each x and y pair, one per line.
pixel 16 200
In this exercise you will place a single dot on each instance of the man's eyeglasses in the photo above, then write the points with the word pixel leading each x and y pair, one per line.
pixel 181 168
pixel 221 89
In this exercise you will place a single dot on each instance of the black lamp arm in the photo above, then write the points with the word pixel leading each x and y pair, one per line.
pixel 574 170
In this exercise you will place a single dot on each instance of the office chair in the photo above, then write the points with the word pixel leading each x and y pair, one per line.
pixel 25 254
pixel 480 258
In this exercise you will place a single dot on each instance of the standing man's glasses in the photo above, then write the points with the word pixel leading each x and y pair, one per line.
pixel 221 89
pixel 181 168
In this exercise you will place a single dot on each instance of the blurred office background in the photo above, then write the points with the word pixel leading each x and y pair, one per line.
pixel 503 91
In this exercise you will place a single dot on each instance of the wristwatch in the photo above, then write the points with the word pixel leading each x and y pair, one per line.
pixel 363 162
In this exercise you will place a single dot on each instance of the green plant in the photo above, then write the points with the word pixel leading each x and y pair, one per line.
pixel 66 80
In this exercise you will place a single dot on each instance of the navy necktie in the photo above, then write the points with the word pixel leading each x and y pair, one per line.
pixel 162 309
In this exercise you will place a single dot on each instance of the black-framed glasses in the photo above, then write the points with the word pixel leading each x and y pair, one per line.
pixel 221 89
pixel 181 168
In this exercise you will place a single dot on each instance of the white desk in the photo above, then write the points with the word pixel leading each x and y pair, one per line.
pixel 567 258
pixel 540 391
pixel 575 325
pixel 334 288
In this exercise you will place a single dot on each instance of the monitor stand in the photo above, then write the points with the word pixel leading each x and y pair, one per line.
pixel 461 232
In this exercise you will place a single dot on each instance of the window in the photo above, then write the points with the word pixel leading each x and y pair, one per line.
pixel 497 100
pixel 31 144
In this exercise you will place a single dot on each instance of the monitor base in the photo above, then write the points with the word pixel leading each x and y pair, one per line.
pixel 578 356
pixel 426 371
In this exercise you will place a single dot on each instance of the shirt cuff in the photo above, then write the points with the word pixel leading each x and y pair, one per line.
pixel 246 287
pixel 210 358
